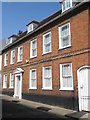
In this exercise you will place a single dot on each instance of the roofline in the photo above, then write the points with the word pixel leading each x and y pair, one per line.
pixel 33 21
pixel 52 20
pixel 12 36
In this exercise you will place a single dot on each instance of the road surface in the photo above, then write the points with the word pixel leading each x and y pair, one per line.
pixel 11 110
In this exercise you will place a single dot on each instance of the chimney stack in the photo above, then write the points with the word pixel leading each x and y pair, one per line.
pixel 19 32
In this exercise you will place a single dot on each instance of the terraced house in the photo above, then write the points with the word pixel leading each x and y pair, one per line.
pixel 49 62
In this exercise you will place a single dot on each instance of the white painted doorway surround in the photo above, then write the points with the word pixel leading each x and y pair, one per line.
pixel 18 83
pixel 83 75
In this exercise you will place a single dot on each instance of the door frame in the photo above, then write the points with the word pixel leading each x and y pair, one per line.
pixel 79 85
pixel 15 89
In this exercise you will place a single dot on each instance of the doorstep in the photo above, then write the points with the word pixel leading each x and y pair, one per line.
pixel 79 115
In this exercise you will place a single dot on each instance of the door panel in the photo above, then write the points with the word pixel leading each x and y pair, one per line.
pixel 84 94
pixel 18 86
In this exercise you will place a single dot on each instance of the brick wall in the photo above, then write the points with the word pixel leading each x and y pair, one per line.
pixel 77 54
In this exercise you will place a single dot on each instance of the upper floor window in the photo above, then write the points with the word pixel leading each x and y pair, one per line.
pixel 6 59
pixel 30 28
pixel 33 79
pixel 12 56
pixel 64 36
pixel 47 77
pixel 66 4
pixel 20 53
pixel 47 43
pixel 66 77
pixel 32 25
pixel 33 48
pixel 11 80
pixel 5 81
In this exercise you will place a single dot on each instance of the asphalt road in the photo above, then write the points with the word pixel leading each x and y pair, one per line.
pixel 11 110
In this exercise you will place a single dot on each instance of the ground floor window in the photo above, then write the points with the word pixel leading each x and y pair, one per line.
pixel 47 77
pixel 11 80
pixel 33 79
pixel 5 81
pixel 66 77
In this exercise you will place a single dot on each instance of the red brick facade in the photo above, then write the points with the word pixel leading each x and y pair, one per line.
pixel 77 53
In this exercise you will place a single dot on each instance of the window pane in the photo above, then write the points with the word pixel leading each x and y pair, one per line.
pixel 20 50
pixel 33 44
pixel 47 42
pixel 47 82
pixel 11 77
pixel 33 74
pixel 6 56
pixel 13 60
pixel 65 30
pixel 47 47
pixel 64 82
pixel 20 57
pixel 6 62
pixel 5 81
pixel 66 70
pixel 66 75
pixel 47 72
pixel 33 78
pixel 65 41
pixel 47 77
pixel 30 27
pixel 33 48
pixel 11 80
pixel 20 53
pixel 33 52
pixel 33 83
pixel 5 77
pixel 64 6
pixel 69 82
pixel 65 35
pixel 68 4
pixel 13 53
pixel 47 38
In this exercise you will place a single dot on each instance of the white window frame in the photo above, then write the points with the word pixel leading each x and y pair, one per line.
pixel 5 63
pixel 63 10
pixel 30 87
pixel 61 79
pixel 10 86
pixel 31 49
pixel 12 57
pixel 5 81
pixel 44 52
pixel 43 82
pixel 60 40
pixel 19 53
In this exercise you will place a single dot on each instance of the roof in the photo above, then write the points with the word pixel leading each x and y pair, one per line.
pixel 44 23
pixel 33 21
pixel 12 36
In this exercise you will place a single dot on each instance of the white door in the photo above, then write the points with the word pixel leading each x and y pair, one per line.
pixel 84 88
pixel 18 86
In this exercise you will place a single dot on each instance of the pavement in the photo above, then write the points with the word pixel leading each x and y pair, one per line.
pixel 56 110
